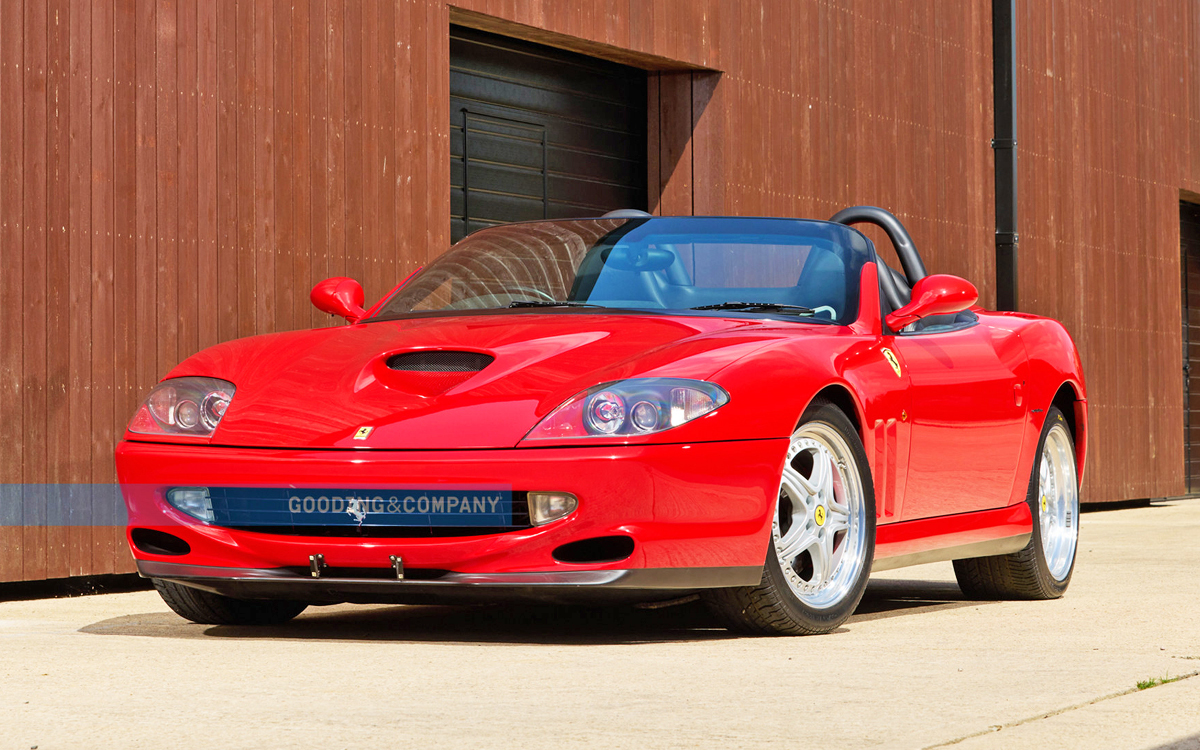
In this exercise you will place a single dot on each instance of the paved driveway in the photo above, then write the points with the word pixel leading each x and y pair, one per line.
pixel 917 667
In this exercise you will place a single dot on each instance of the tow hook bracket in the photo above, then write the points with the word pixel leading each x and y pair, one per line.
pixel 316 563
pixel 398 566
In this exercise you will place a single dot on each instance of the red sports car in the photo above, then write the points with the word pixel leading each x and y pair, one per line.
pixel 639 408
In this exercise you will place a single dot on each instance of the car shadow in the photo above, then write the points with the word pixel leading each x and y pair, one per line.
pixel 520 624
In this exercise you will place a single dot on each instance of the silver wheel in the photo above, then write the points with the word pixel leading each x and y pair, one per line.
pixel 1058 502
pixel 1042 569
pixel 820 523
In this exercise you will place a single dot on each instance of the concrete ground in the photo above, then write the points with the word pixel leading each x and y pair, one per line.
pixel 917 667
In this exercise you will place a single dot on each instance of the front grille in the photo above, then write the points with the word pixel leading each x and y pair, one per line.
pixel 519 522
pixel 439 361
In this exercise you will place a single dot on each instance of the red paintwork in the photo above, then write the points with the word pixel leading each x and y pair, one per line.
pixel 681 512
pixel 949 440
pixel 339 296
pixel 938 294
pixel 931 534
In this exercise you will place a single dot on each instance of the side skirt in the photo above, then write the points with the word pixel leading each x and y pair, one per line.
pixel 981 534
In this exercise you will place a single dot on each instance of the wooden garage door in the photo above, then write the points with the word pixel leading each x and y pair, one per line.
pixel 1189 231
pixel 538 133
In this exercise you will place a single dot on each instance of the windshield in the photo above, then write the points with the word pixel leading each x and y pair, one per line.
pixel 786 267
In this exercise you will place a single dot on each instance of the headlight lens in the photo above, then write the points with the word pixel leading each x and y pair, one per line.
pixel 183 406
pixel 639 406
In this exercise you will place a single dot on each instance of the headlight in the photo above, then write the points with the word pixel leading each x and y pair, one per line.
pixel 183 406
pixel 626 408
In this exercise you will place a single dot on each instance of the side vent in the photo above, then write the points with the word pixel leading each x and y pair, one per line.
pixel 439 361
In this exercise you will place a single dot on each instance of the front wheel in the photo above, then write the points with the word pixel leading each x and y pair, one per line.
pixel 1042 570
pixel 822 537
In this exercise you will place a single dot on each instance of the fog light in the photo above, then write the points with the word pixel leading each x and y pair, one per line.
pixel 192 500
pixel 545 507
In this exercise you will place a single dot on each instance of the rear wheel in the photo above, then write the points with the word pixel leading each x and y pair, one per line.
pixel 1042 570
pixel 822 539
pixel 208 608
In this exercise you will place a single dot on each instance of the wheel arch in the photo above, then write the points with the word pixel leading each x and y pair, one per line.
pixel 840 396
pixel 1069 400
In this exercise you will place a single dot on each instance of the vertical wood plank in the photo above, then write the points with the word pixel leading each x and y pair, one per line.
pixel 227 162
pixel 166 187
pixel 125 285
pixel 653 145
pixel 207 183
pixel 355 137
pixel 80 392
pixel 301 175
pixel 60 401
pixel 12 396
pixel 320 131
pixel 264 164
pixel 246 255
pixel 187 286
pixel 103 364
pixel 34 211
pixel 335 144
pixel 283 141
pixel 145 194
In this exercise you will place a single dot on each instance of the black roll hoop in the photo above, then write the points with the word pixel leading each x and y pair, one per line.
pixel 906 250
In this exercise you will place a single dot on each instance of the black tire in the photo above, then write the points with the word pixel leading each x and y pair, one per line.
pixel 1024 574
pixel 772 608
pixel 208 608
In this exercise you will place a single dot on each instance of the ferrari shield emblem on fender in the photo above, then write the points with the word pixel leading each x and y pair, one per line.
pixel 363 433
pixel 890 356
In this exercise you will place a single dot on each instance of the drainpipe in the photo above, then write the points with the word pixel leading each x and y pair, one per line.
pixel 1004 145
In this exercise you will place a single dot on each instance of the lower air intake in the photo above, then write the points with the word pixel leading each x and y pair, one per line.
pixel 439 361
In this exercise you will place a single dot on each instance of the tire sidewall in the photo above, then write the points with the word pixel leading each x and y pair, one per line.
pixel 1051 587
pixel 821 619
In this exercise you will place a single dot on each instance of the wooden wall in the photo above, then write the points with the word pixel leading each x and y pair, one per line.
pixel 174 174
pixel 1109 135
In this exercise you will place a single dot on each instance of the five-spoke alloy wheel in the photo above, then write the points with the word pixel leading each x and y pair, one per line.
pixel 822 539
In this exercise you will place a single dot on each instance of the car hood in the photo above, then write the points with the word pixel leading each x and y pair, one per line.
pixel 322 388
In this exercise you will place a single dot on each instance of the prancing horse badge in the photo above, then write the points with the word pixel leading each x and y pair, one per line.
pixel 363 433
pixel 890 356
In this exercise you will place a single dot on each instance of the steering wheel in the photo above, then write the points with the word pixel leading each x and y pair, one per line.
pixel 896 289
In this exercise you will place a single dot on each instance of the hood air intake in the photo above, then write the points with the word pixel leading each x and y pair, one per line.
pixel 439 361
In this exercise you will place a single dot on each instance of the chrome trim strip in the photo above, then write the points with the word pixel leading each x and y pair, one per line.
pixel 645 578
pixel 986 548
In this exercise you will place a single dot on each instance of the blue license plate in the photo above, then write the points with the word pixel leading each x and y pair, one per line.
pixel 418 506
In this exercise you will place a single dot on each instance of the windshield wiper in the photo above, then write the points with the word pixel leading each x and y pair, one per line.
pixel 764 306
pixel 547 303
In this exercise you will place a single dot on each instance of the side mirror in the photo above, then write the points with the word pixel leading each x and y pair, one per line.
pixel 339 296
pixel 939 294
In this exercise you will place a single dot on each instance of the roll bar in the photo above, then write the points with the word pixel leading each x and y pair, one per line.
pixel 906 249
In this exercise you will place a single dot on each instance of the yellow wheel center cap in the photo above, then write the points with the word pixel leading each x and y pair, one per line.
pixel 1045 503
pixel 819 515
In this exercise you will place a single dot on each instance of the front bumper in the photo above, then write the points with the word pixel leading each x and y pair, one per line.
pixel 588 585
pixel 698 515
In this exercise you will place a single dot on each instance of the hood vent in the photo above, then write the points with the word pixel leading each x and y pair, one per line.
pixel 439 361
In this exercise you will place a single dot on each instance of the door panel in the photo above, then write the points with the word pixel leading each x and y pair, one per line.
pixel 968 424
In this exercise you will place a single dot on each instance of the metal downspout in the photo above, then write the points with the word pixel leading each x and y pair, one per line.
pixel 1004 145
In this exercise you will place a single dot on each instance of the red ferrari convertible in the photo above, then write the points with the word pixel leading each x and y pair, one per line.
pixel 760 411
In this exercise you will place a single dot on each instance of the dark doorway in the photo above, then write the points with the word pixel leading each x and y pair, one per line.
pixel 537 132
pixel 1189 233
